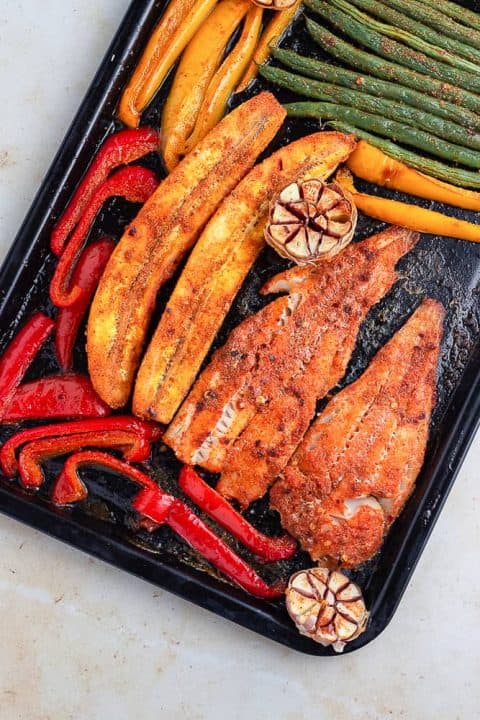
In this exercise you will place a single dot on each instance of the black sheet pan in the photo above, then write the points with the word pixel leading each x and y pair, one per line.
pixel 103 525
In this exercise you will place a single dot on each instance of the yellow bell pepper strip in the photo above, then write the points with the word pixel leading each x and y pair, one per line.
pixel 370 163
pixel 271 36
pixel 406 215
pixel 176 28
pixel 226 79
pixel 197 66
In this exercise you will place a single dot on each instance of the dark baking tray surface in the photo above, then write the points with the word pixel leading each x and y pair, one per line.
pixel 103 525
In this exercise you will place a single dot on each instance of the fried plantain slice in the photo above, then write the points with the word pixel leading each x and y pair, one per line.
pixel 217 268
pixel 163 231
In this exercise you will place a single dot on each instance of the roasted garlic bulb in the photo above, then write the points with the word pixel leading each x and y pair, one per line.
pixel 275 4
pixel 326 606
pixel 311 220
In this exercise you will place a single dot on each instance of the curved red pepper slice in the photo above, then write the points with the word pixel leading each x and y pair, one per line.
pixel 133 447
pixel 122 148
pixel 8 461
pixel 135 184
pixel 162 508
pixel 218 508
pixel 201 538
pixel 56 397
pixel 86 276
pixel 19 355
pixel 69 488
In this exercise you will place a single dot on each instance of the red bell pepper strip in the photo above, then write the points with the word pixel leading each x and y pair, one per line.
pixel 149 432
pixel 135 184
pixel 69 487
pixel 19 355
pixel 132 446
pixel 86 276
pixel 122 148
pixel 218 508
pixel 201 538
pixel 55 397
pixel 162 508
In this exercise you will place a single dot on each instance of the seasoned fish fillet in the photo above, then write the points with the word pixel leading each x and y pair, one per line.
pixel 356 466
pixel 255 400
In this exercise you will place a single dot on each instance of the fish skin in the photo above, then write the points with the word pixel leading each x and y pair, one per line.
pixel 357 465
pixel 271 374
pixel 164 230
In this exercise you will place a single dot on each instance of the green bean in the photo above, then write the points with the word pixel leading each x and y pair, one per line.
pixel 329 73
pixel 424 12
pixel 372 104
pixel 420 32
pixel 456 12
pixel 453 175
pixel 361 60
pixel 338 15
pixel 387 128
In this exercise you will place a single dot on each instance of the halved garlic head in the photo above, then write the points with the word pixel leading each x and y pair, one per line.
pixel 326 606
pixel 311 220
pixel 275 4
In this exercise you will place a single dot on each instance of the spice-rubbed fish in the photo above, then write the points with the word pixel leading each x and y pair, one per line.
pixel 217 267
pixel 162 233
pixel 253 403
pixel 356 466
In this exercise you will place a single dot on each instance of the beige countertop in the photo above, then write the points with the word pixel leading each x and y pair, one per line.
pixel 81 640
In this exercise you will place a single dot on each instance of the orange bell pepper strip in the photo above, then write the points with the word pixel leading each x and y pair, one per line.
pixel 176 28
pixel 271 36
pixel 226 78
pixel 197 66
pixel 407 215
pixel 370 163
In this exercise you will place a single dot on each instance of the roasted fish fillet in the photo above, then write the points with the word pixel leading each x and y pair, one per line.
pixel 251 406
pixel 356 466
pixel 164 230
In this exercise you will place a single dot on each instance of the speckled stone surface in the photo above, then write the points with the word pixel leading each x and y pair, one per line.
pixel 80 640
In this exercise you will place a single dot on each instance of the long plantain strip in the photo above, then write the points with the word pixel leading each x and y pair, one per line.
pixel 408 215
pixel 402 22
pixel 370 163
pixel 178 25
pixel 456 176
pixel 197 66
pixel 364 61
pixel 216 269
pixel 373 104
pixel 163 231
pixel 456 12
pixel 387 128
pixel 337 14
pixel 272 35
pixel 430 15
pixel 335 75
pixel 226 78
